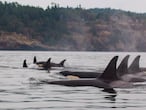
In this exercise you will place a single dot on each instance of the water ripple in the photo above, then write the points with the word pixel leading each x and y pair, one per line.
pixel 20 88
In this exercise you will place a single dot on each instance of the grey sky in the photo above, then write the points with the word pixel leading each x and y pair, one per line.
pixel 128 5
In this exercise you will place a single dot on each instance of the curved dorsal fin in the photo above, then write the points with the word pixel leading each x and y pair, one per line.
pixel 123 67
pixel 47 64
pixel 34 60
pixel 134 67
pixel 62 62
pixel 109 73
pixel 24 64
pixel 48 61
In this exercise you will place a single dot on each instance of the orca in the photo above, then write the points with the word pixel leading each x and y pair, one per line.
pixel 123 66
pixel 135 68
pixel 108 79
pixel 124 72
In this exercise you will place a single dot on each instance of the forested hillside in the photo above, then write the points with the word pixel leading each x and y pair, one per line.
pixel 57 28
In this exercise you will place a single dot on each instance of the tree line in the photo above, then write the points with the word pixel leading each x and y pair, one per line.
pixel 51 24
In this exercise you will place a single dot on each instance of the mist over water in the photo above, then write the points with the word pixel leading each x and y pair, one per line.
pixel 20 88
pixel 130 33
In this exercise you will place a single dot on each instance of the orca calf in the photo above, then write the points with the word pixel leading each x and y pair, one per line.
pixel 108 79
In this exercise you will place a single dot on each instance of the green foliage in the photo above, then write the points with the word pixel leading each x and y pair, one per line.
pixel 56 24
pixel 33 21
pixel 47 25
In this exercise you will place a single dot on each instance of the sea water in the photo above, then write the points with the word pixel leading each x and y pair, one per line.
pixel 20 88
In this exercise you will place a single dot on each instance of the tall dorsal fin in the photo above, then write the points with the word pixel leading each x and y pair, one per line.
pixel 62 62
pixel 34 60
pixel 134 67
pixel 123 67
pixel 109 73
pixel 24 64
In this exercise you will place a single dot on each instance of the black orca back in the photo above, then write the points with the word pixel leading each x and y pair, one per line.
pixel 81 74
pixel 123 67
pixel 109 73
pixel 43 62
pixel 134 67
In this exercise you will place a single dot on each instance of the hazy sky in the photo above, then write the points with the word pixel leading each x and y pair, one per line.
pixel 128 5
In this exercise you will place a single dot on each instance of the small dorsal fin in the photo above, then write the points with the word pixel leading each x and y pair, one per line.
pixel 134 67
pixel 48 61
pixel 24 64
pixel 34 60
pixel 109 73
pixel 62 62
pixel 123 67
